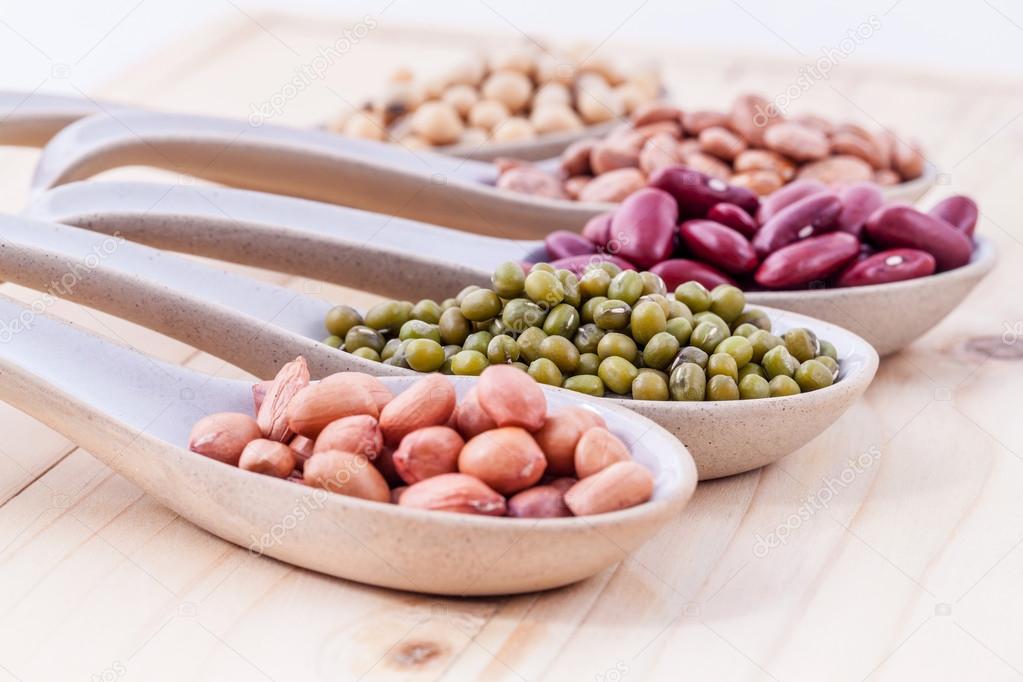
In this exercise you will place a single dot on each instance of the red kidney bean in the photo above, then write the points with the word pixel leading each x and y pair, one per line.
pixel 958 211
pixel 789 194
pixel 578 264
pixel 859 201
pixel 807 260
pixel 696 192
pixel 562 244
pixel 598 228
pixel 680 270
pixel 905 227
pixel 807 217
pixel 893 265
pixel 644 227
pixel 718 245
pixel 734 217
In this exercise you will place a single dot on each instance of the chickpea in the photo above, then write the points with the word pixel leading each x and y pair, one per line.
pixel 414 143
pixel 550 69
pixel 552 93
pixel 632 95
pixel 514 129
pixel 598 105
pixel 398 100
pixel 467 72
pixel 402 75
pixel 554 118
pixel 366 125
pixel 437 122
pixel 461 97
pixel 487 114
pixel 521 59
pixel 474 136
pixel 511 88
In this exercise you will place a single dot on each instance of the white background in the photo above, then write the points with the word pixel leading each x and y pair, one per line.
pixel 91 40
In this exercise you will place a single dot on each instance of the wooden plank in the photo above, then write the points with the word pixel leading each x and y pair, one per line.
pixel 899 565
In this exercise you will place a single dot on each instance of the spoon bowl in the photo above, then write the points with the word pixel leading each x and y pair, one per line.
pixel 258 327
pixel 393 257
pixel 134 413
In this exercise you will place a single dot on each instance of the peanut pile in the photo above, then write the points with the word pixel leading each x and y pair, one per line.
pixel 510 96
pixel 750 146
pixel 497 452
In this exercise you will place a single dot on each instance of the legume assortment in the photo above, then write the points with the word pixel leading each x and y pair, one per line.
pixel 498 452
pixel 608 330
pixel 508 96
pixel 689 226
pixel 750 146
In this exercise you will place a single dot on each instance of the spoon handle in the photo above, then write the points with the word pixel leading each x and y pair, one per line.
pixel 31 119
pixel 310 164
pixel 251 324
pixel 369 251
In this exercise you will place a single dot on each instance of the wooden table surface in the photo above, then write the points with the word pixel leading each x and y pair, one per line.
pixel 887 549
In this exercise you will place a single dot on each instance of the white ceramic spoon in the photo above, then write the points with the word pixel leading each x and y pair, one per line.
pixel 134 413
pixel 31 119
pixel 311 164
pixel 258 327
pixel 396 257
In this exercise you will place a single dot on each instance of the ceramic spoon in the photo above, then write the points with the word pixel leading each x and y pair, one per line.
pixel 30 119
pixel 395 257
pixel 134 413
pixel 316 165
pixel 258 327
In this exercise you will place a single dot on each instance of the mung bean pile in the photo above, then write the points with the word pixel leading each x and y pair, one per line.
pixel 610 330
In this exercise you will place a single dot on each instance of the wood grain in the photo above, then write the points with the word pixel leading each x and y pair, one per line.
pixel 902 565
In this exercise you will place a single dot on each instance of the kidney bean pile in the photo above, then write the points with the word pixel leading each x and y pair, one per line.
pixel 752 146
pixel 686 225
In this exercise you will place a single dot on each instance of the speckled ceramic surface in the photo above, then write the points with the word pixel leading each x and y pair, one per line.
pixel 135 413
pixel 312 164
pixel 258 327
pixel 392 257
